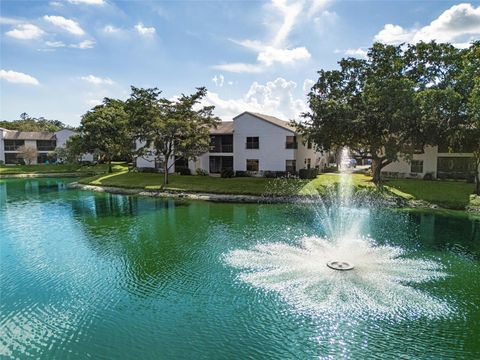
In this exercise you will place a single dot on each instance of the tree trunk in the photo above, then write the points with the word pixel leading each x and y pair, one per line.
pixel 477 176
pixel 376 170
pixel 110 170
pixel 165 172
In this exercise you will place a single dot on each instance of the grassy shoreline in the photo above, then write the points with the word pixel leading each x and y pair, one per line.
pixel 444 194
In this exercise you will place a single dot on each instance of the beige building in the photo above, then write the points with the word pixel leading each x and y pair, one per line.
pixel 434 161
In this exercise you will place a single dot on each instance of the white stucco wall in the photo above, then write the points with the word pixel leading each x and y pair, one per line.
pixel 148 161
pixel 2 147
pixel 271 153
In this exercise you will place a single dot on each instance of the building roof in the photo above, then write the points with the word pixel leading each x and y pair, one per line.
pixel 271 119
pixel 225 127
pixel 28 135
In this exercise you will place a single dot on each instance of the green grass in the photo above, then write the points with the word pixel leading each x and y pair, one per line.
pixel 449 194
pixel 57 168
pixel 240 185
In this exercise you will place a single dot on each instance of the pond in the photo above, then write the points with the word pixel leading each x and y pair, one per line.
pixel 96 275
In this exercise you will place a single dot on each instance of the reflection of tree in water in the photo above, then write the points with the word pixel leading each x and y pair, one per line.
pixel 14 190
pixel 156 241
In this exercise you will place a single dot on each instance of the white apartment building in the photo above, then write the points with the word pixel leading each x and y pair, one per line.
pixel 43 142
pixel 254 143
pixel 433 160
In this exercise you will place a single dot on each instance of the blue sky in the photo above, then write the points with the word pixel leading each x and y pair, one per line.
pixel 60 58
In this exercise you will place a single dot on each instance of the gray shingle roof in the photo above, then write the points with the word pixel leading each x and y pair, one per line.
pixel 271 119
pixel 29 135
pixel 225 127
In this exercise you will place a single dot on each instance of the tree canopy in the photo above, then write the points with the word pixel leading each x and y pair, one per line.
pixel 29 123
pixel 399 99
pixel 173 129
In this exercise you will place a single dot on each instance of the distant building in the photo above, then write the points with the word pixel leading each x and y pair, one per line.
pixel 433 160
pixel 253 143
pixel 43 142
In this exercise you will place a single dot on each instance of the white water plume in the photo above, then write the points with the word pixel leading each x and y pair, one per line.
pixel 380 283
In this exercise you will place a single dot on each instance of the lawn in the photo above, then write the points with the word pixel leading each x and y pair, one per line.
pixel 448 194
pixel 239 185
pixel 59 168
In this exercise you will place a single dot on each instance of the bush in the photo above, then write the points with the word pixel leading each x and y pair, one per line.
pixel 1 162
pixel 330 169
pixel 241 174
pixel 428 176
pixel 227 173
pixel 307 173
pixel 470 178
pixel 184 171
pixel 269 174
pixel 201 172
pixel 147 170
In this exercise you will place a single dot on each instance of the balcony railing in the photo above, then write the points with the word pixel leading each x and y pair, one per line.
pixel 223 148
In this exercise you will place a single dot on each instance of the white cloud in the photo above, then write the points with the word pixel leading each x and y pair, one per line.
pixel 218 80
pixel 87 2
pixel 18 77
pixel 394 35
pixel 453 25
pixel 276 50
pixel 316 6
pixel 85 44
pixel 110 29
pixel 66 24
pixel 274 98
pixel 55 44
pixel 97 80
pixel 361 53
pixel 93 102
pixel 9 21
pixel 307 85
pixel 144 31
pixel 55 3
pixel 240 68
pixel 272 55
pixel 26 32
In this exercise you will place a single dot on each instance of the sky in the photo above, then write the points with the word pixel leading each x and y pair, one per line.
pixel 58 59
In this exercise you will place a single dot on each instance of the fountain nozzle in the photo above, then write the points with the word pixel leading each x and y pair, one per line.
pixel 340 265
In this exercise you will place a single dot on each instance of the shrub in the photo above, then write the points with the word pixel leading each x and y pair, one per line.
pixel 269 174
pixel 470 178
pixel 227 173
pixel 184 171
pixel 201 172
pixel 1 162
pixel 241 174
pixel 147 170
pixel 330 169
pixel 428 176
pixel 307 173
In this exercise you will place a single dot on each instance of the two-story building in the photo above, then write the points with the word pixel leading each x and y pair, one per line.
pixel 253 143
pixel 43 142
pixel 436 161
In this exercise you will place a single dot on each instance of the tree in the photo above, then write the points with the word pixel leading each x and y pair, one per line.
pixel 105 128
pixel 367 105
pixel 28 123
pixel 467 134
pixel 172 128
pixel 27 153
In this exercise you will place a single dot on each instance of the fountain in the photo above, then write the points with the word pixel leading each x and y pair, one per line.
pixel 343 273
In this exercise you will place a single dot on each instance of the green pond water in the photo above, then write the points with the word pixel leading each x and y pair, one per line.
pixel 99 276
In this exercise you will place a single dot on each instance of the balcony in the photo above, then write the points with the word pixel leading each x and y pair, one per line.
pixel 221 148
pixel 46 145
pixel 291 145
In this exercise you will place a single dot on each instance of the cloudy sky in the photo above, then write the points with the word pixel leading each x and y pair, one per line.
pixel 60 58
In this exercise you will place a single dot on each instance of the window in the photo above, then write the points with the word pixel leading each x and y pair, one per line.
pixel 221 143
pixel 416 166
pixel 308 163
pixel 11 158
pixel 46 145
pixel 291 142
pixel 291 166
pixel 309 144
pixel 253 142
pixel 252 164
pixel 13 145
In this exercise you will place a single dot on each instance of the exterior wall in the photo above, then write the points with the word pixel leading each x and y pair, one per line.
pixel 148 161
pixel 2 147
pixel 271 154
pixel 429 156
